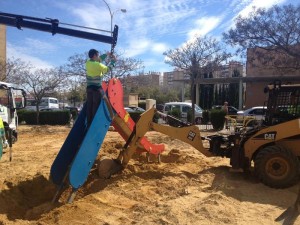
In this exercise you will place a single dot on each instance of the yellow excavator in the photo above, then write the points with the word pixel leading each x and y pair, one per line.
pixel 273 144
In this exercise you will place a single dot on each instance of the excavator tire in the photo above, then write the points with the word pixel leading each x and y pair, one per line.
pixel 277 167
pixel 107 167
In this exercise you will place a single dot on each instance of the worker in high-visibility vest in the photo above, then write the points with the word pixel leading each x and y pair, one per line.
pixel 95 71
pixel 2 135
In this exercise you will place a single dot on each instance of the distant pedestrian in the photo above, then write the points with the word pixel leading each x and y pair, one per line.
pixel 225 109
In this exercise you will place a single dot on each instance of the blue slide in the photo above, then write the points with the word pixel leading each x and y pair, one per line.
pixel 67 153
pixel 90 146
pixel 79 151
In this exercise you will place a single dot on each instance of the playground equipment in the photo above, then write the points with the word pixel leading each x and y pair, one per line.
pixel 271 146
pixel 9 105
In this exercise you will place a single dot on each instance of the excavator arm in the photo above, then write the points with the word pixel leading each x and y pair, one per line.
pixel 188 134
pixel 53 26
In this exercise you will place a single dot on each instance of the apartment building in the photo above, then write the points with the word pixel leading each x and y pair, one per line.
pixel 175 78
pixel 229 69
pixel 142 79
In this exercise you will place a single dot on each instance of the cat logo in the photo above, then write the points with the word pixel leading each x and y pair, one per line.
pixel 191 135
pixel 270 136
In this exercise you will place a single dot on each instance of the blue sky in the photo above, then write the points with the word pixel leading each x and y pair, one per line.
pixel 146 30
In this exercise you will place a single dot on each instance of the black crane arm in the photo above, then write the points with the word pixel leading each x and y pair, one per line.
pixel 52 26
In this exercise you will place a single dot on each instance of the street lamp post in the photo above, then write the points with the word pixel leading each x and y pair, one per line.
pixel 111 24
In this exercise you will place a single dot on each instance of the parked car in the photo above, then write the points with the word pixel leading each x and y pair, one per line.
pixel 258 112
pixel 136 109
pixel 75 109
pixel 160 107
pixel 128 109
pixel 231 110
pixel 184 108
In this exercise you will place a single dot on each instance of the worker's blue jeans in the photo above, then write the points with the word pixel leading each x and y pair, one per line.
pixel 94 96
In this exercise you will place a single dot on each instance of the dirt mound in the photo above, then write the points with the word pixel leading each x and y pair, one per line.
pixel 185 188
pixel 23 199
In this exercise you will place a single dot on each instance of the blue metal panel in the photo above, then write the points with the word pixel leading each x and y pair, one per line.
pixel 67 153
pixel 90 146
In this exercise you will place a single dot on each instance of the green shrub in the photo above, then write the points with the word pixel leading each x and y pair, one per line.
pixel 175 113
pixel 217 118
pixel 156 118
pixel 55 117
pixel 47 117
pixel 20 114
pixel 30 117
pixel 205 117
pixel 74 113
pixel 189 116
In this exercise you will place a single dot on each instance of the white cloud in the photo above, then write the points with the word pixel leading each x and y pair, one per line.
pixel 157 65
pixel 204 26
pixel 38 45
pixel 159 48
pixel 259 4
pixel 21 53
pixel 136 48
pixel 88 14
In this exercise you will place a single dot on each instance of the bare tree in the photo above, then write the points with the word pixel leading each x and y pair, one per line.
pixel 76 66
pixel 39 83
pixel 197 58
pixel 274 34
pixel 12 68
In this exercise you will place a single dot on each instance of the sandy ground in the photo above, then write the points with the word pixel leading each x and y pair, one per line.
pixel 186 188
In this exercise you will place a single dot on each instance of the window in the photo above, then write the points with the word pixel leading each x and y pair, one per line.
pixel 258 112
pixel 186 108
pixel 3 97
pixel 176 107
pixel 167 108
pixel 44 102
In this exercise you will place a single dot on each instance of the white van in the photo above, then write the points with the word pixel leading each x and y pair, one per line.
pixel 46 103
pixel 184 107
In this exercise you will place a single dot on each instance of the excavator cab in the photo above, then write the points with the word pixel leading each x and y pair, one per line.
pixel 283 103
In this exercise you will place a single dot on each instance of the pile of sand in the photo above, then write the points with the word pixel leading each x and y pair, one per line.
pixel 186 188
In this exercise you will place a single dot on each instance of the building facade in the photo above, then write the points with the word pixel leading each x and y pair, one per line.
pixel 174 78
pixel 229 70
pixel 257 70
pixel 151 79
pixel 2 50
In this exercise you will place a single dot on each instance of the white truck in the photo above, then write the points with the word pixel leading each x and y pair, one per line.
pixel 11 99
pixel 45 103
